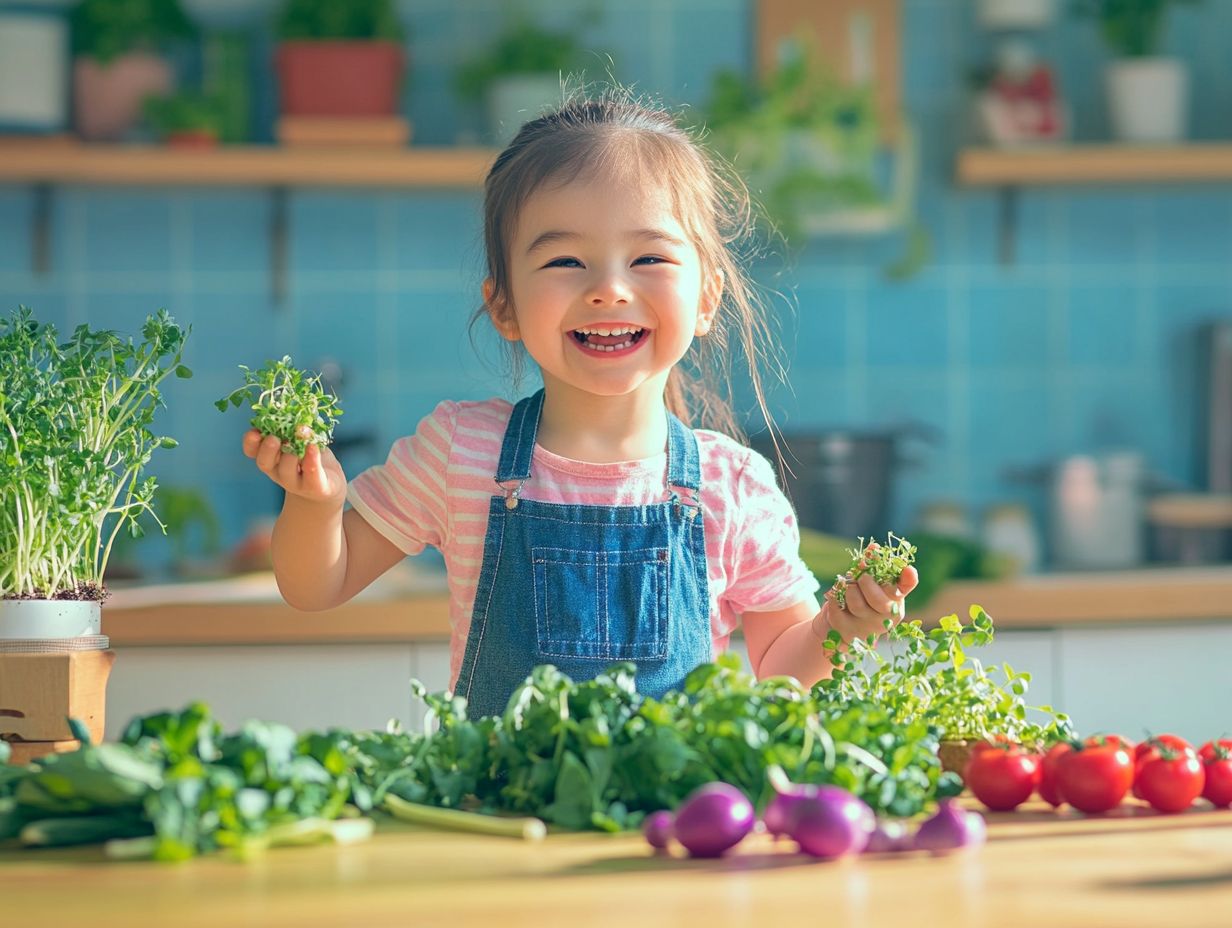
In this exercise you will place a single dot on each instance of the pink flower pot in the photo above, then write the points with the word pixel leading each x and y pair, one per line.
pixel 107 98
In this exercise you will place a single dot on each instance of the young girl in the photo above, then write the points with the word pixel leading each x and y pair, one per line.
pixel 588 523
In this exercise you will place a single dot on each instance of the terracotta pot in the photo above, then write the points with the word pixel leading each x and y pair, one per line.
pixel 107 99
pixel 955 754
pixel 344 78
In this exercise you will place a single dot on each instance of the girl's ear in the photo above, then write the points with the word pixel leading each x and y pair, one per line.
pixel 712 296
pixel 500 312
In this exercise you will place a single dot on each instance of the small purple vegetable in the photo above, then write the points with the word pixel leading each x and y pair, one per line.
pixel 713 819
pixel 889 837
pixel 950 828
pixel 832 823
pixel 777 817
pixel 658 828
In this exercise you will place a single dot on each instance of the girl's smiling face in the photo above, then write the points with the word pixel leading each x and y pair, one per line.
pixel 606 290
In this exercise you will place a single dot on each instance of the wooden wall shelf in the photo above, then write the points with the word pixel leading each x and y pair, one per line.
pixel 50 162
pixel 1095 164
pixel 1009 170
pixel 69 162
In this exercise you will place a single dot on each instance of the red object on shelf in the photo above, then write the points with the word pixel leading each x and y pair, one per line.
pixel 340 78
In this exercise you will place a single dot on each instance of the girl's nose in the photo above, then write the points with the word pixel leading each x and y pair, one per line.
pixel 608 290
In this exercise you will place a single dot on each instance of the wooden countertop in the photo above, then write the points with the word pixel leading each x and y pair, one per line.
pixel 411 607
pixel 1038 868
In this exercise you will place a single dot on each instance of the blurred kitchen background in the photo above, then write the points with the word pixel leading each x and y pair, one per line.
pixel 1007 321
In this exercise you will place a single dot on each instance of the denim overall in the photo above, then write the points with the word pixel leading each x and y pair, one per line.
pixel 583 587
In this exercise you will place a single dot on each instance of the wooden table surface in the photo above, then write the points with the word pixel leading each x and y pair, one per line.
pixel 1038 870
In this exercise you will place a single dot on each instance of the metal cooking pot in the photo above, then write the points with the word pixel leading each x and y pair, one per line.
pixel 842 481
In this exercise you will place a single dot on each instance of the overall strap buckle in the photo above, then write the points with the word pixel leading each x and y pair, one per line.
pixel 512 489
pixel 688 504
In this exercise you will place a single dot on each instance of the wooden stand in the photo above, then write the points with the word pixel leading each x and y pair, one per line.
pixel 40 692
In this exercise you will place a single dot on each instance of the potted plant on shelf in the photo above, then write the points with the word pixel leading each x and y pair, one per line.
pixel 117 61
pixel 74 439
pixel 1147 92
pixel 520 75
pixel 186 119
pixel 340 59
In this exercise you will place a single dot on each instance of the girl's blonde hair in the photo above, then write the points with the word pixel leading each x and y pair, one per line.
pixel 604 135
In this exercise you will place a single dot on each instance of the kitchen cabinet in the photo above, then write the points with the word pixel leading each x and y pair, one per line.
pixel 1038 868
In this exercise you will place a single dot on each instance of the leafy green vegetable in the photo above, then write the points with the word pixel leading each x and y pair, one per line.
pixel 591 754
pixel 288 404
pixel 929 676
pixel 74 437
pixel 885 563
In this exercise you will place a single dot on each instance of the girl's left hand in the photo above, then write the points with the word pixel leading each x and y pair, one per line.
pixel 868 606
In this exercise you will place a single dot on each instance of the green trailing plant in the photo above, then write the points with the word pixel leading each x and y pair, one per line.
pixel 75 436
pixel 186 111
pixel 287 403
pixel 330 19
pixel 107 29
pixel 1130 28
pixel 930 676
pixel 522 48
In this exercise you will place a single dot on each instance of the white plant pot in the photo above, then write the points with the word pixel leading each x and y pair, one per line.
pixel 518 98
pixel 1014 14
pixel 33 71
pixel 1147 99
pixel 49 618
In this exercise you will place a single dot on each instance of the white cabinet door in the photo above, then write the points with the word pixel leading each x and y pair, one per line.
pixel 1140 681
pixel 304 686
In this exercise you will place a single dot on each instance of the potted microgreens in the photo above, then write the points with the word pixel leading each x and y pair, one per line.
pixel 75 437
pixel 118 61
pixel 1147 91
pixel 340 59
pixel 520 74
pixel 286 403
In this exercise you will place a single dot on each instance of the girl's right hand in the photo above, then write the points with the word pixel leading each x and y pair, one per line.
pixel 316 478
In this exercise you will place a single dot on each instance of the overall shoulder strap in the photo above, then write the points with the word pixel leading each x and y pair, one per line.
pixel 518 446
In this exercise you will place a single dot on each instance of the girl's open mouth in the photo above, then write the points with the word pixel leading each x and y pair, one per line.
pixel 605 340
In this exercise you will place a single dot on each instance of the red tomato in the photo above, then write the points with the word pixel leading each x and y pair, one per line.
pixel 1170 781
pixel 1119 741
pixel 1095 778
pixel 1048 773
pixel 1155 742
pixel 1209 751
pixel 1155 747
pixel 1218 786
pixel 1002 777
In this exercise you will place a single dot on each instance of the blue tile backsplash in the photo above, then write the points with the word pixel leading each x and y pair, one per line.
pixel 1088 340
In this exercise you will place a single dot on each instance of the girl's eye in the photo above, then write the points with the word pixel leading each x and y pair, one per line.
pixel 564 262
pixel 650 259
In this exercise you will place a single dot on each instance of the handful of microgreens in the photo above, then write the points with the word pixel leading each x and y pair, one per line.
pixel 287 404
pixel 885 562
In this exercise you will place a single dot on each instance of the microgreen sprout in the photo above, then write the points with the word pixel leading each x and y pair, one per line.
pixel 74 437
pixel 288 404
pixel 885 562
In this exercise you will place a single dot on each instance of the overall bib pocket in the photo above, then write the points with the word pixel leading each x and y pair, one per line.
pixel 601 605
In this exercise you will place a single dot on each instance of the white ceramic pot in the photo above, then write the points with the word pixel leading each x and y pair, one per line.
pixel 517 98
pixel 33 71
pixel 1147 99
pixel 49 618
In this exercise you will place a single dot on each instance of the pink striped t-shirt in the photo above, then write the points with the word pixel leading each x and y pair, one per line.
pixel 435 488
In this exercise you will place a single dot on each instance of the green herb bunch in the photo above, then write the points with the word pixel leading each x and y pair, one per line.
pixel 74 438
pixel 329 19
pixel 885 562
pixel 930 676
pixel 175 786
pixel 288 404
